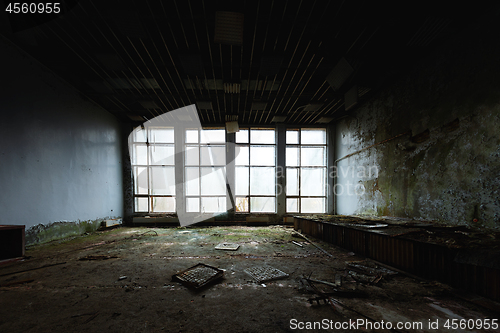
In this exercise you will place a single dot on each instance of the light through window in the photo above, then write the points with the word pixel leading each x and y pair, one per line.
pixel 255 171
pixel 306 171
pixel 153 168
pixel 205 171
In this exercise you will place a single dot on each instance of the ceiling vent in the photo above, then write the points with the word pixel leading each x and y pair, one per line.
pixel 232 88
pixel 204 105
pixel 229 28
pixel 259 106
pixel 340 73
pixel 149 105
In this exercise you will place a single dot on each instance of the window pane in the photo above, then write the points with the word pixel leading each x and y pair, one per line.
pixel 162 135
pixel 292 181
pixel 262 155
pixel 292 205
pixel 162 180
pixel 241 205
pixel 312 205
pixel 192 155
pixel 292 156
pixel 312 181
pixel 140 135
pixel 212 135
pixel 242 136
pixel 242 155
pixel 192 181
pixel 262 136
pixel 314 136
pixel 213 181
pixel 140 155
pixel 213 155
pixel 262 181
pixel 165 205
pixel 191 136
pixel 310 156
pixel 162 155
pixel 242 180
pixel 262 205
pixel 192 205
pixel 141 205
pixel 140 180
pixel 213 204
pixel 292 137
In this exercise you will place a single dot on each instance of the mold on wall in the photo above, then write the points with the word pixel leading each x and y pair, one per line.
pixel 60 153
pixel 444 165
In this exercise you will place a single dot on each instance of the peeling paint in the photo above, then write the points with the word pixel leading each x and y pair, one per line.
pixel 452 173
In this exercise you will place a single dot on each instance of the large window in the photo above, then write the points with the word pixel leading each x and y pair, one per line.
pixel 205 171
pixel 255 171
pixel 154 170
pixel 195 166
pixel 306 171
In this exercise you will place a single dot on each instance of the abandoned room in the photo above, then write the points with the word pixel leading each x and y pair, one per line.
pixel 250 166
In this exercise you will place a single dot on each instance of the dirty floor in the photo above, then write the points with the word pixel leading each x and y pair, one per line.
pixel 121 281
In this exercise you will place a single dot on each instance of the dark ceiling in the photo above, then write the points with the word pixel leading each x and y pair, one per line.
pixel 307 61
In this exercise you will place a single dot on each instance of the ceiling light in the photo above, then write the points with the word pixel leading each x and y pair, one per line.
pixel 278 119
pixel 228 28
pixel 324 120
pixel 311 107
pixel 340 73
pixel 149 83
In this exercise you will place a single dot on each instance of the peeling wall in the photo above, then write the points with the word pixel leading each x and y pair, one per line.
pixel 447 168
pixel 60 153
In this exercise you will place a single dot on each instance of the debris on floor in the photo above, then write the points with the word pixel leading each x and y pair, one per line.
pixel 265 273
pixel 16 283
pixel 368 272
pixel 198 276
pixel 97 258
pixel 227 246
pixel 298 234
pixel 297 243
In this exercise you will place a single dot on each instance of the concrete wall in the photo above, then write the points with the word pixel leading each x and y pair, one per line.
pixel 447 168
pixel 60 153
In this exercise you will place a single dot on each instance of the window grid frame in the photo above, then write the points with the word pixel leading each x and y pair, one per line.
pixel 199 166
pixel 148 166
pixel 249 145
pixel 299 168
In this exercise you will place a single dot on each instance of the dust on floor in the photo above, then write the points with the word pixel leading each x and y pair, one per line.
pixel 121 281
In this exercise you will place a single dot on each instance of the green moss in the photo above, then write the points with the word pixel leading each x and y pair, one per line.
pixel 59 230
